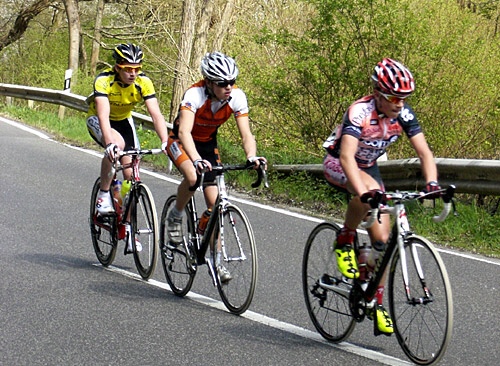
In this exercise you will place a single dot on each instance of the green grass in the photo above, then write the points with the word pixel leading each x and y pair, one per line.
pixel 474 229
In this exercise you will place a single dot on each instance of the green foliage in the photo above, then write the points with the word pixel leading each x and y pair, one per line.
pixel 317 72
pixel 473 228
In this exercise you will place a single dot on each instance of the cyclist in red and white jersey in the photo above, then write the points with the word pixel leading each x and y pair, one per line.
pixel 369 126
pixel 192 143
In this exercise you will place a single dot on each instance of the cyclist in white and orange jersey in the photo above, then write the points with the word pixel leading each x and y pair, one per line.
pixel 192 144
pixel 369 126
pixel 109 120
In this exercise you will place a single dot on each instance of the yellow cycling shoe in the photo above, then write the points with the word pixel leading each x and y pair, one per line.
pixel 384 322
pixel 346 261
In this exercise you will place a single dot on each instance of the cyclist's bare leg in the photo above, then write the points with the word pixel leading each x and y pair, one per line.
pixel 183 193
pixel 356 210
pixel 106 163
pixel 210 192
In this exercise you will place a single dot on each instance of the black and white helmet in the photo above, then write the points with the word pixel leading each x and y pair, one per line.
pixel 216 66
pixel 128 54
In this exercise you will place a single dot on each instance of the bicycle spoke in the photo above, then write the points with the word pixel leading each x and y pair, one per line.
pixel 145 231
pixel 177 266
pixel 238 256
pixel 102 230
pixel 422 309
pixel 326 293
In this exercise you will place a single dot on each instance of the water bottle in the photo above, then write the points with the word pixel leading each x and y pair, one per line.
pixel 378 247
pixel 364 254
pixel 125 189
pixel 117 187
pixel 202 225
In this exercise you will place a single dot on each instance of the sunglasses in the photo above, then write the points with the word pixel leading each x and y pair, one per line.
pixel 392 98
pixel 225 83
pixel 130 69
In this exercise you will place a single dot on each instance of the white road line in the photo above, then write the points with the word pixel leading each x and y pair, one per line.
pixel 270 322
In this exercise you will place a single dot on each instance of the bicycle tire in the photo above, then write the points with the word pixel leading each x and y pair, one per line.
pixel 176 263
pixel 144 225
pixel 239 257
pixel 423 328
pixel 103 230
pixel 328 307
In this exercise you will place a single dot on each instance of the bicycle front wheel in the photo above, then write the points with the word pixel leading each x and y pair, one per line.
pixel 175 259
pixel 235 252
pixel 326 291
pixel 103 230
pixel 145 230
pixel 420 301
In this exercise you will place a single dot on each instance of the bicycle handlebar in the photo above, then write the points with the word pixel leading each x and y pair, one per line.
pixel 220 169
pixel 140 152
pixel 446 194
pixel 116 166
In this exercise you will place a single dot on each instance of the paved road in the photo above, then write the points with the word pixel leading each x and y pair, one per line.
pixel 59 307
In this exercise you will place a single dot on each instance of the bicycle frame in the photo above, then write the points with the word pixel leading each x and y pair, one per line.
pixel 363 296
pixel 124 211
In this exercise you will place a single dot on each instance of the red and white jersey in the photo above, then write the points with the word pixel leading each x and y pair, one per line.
pixel 374 130
pixel 209 114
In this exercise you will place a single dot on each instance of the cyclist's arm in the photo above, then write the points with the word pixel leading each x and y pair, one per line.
pixel 429 169
pixel 103 109
pixel 186 123
pixel 247 138
pixel 349 147
pixel 158 118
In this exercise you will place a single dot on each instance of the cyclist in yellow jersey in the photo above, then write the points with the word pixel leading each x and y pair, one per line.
pixel 116 92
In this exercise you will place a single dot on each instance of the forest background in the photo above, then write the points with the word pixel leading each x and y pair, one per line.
pixel 302 62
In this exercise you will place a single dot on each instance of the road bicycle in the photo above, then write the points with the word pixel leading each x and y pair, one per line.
pixel 419 291
pixel 139 207
pixel 228 233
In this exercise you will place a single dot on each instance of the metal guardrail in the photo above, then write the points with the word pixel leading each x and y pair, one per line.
pixel 62 98
pixel 469 175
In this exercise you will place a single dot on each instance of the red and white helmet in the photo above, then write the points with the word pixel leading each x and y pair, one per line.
pixel 392 77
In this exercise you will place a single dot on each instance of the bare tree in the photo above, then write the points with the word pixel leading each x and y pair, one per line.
pixel 200 43
pixel 21 24
pixel 181 71
pixel 97 37
pixel 223 25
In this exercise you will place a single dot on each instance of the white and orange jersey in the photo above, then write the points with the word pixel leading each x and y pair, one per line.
pixel 374 131
pixel 209 114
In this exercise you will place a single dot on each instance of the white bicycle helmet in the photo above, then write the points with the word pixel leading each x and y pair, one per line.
pixel 216 66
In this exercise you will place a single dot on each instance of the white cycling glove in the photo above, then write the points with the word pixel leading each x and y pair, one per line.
pixel 111 151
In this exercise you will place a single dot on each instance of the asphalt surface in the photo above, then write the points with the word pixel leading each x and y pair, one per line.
pixel 58 306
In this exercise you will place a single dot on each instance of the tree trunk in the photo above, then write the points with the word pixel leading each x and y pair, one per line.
pixel 223 25
pixel 22 21
pixel 74 40
pixel 96 43
pixel 74 33
pixel 200 42
pixel 181 71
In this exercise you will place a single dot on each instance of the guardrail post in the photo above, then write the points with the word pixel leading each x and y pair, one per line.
pixel 66 89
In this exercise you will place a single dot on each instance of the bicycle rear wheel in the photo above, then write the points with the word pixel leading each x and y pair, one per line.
pixel 326 291
pixel 423 311
pixel 103 230
pixel 144 224
pixel 239 256
pixel 175 260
